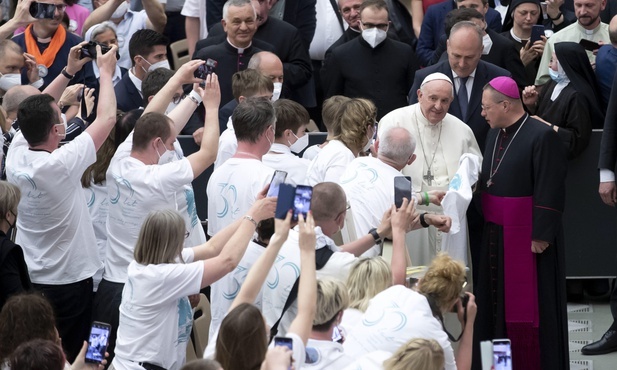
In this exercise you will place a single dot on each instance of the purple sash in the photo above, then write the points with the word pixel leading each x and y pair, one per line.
pixel 520 279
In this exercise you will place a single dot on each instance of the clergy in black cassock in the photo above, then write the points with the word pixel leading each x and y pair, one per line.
pixel 520 290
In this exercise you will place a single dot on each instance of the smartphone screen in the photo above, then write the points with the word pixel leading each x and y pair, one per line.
pixel 42 10
pixel 97 342
pixel 589 45
pixel 302 201
pixel 502 354
pixel 277 179
pixel 536 31
pixel 402 189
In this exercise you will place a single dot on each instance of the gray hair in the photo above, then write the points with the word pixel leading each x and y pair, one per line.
pixel 102 28
pixel 469 25
pixel 236 3
pixel 161 238
pixel 397 144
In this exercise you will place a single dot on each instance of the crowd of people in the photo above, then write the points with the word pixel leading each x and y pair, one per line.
pixel 475 106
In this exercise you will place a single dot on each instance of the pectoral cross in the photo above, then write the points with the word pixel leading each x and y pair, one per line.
pixel 428 177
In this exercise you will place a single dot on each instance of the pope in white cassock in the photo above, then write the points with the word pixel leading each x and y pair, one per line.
pixel 441 140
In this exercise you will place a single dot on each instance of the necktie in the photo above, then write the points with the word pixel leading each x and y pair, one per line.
pixel 463 97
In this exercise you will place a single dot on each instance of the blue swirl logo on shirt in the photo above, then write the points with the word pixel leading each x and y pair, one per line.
pixel 191 209
pixel 185 320
pixel 229 196
pixel 455 184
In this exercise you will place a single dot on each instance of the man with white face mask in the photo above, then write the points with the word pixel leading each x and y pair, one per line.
pixel 128 22
pixel 372 66
pixel 290 137
pixel 148 50
pixel 12 61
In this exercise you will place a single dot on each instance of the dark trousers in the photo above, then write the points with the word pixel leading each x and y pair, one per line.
pixel 72 304
pixel 107 309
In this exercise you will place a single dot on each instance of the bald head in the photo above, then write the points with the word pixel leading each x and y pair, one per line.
pixel 15 96
pixel 612 31
pixel 328 201
pixel 268 64
pixel 398 145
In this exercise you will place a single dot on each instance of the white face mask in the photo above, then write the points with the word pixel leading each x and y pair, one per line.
pixel 300 144
pixel 157 65
pixel 120 11
pixel 9 80
pixel 276 94
pixel 374 36
pixel 63 123
pixel 167 157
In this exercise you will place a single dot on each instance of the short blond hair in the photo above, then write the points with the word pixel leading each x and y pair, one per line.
pixel 161 238
pixel 443 281
pixel 425 354
pixel 329 113
pixel 367 278
pixel 332 298
pixel 9 198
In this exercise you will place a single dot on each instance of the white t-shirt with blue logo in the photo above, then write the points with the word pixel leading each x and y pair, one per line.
pixel 155 314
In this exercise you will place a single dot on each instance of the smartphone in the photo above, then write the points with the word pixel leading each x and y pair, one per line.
pixel 97 342
pixel 544 6
pixel 502 354
pixel 536 31
pixel 206 69
pixel 284 342
pixel 277 179
pixel 589 45
pixel 402 189
pixel 42 10
pixel 302 201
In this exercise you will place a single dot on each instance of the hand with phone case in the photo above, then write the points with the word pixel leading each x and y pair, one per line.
pixel 279 357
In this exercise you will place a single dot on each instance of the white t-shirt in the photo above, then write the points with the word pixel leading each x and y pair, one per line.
pixel 286 271
pixel 98 206
pixel 281 158
pixel 329 164
pixel 197 9
pixel 394 317
pixel 155 314
pixel 311 152
pixel 132 22
pixel 369 186
pixel 228 145
pixel 225 290
pixel 232 190
pixel 135 189
pixel 54 226
pixel 371 361
pixel 323 354
pixel 351 318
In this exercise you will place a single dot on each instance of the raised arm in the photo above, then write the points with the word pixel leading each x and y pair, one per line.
pixel 206 154
pixel 259 272
pixel 156 15
pixel 401 221
pixel 101 14
pixel 106 110
pixel 235 239
pixel 22 18
pixel 307 289
pixel 366 242
pixel 73 66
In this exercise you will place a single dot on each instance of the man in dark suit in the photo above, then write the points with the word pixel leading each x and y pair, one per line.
pixel 371 66
pixel 288 46
pixel 464 48
pixel 498 50
pixel 433 27
pixel 148 51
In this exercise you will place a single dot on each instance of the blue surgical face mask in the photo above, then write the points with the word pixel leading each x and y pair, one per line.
pixel 557 76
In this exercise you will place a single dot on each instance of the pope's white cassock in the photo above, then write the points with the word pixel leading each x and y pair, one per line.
pixel 438 149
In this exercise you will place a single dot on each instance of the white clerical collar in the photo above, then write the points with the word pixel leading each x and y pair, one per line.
pixel 588 32
pixel 422 119
pixel 516 38
pixel 240 50
pixel 135 80
pixel 472 74
pixel 280 148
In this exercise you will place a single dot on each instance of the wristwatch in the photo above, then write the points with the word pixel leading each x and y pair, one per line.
pixel 66 74
pixel 375 235
pixel 423 221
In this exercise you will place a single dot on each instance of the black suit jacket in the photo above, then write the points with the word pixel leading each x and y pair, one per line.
pixel 503 54
pixel 484 73
pixel 608 146
pixel 127 95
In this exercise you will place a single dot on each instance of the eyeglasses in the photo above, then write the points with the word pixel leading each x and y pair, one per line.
pixel 381 26
pixel 487 107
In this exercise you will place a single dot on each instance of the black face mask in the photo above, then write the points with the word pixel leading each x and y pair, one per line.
pixel 11 231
